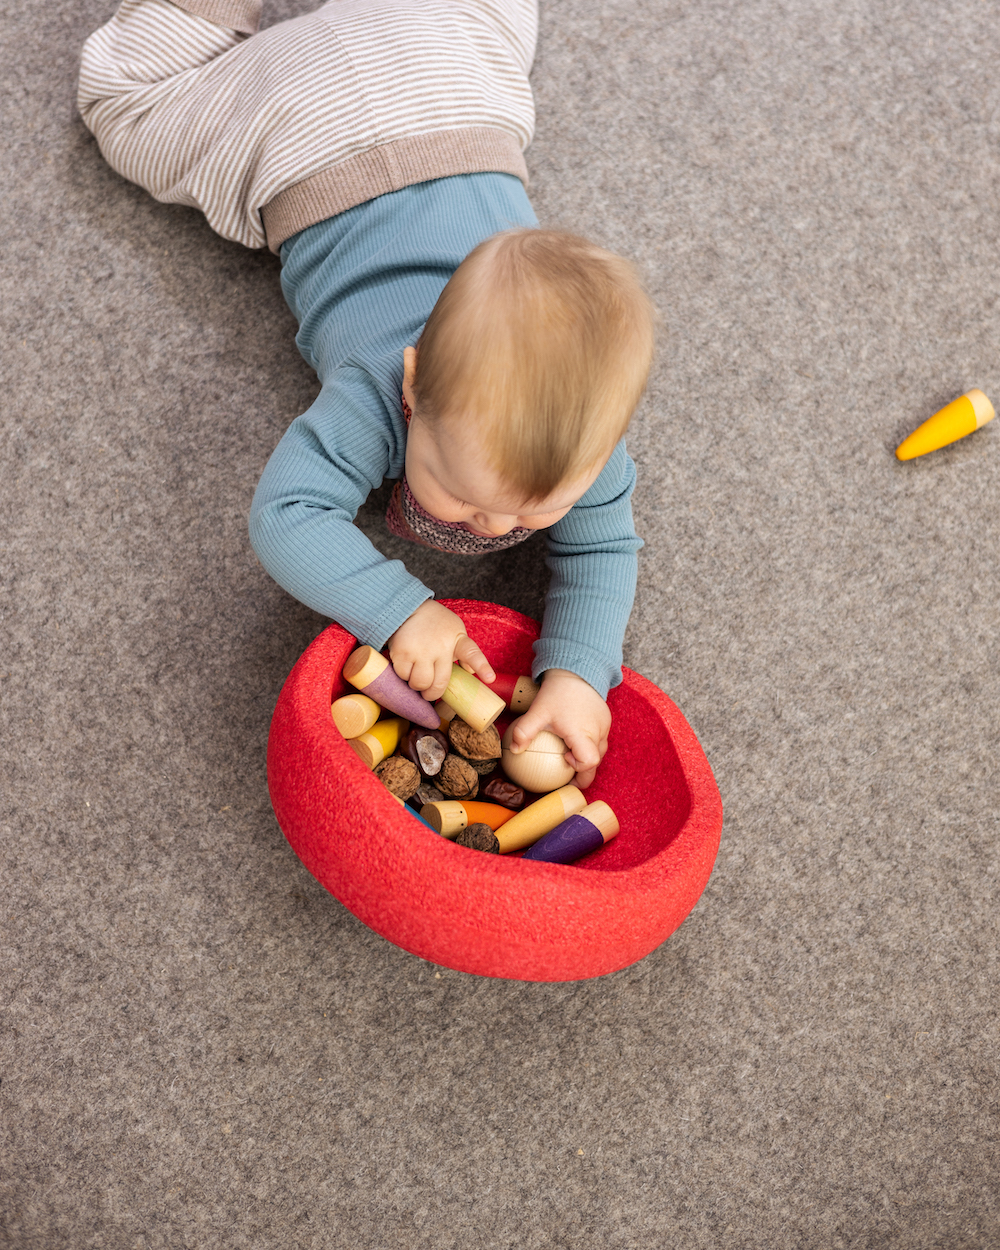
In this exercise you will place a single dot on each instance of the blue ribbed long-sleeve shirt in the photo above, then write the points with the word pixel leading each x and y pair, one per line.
pixel 361 285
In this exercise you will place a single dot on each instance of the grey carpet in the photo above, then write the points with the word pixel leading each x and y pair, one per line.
pixel 202 1047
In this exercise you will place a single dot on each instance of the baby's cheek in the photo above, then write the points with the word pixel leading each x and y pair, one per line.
pixel 439 505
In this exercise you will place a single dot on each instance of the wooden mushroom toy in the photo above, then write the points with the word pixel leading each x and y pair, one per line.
pixel 371 673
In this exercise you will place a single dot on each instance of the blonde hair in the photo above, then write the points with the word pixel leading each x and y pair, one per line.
pixel 546 340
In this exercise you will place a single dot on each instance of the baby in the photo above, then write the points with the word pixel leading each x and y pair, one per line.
pixel 489 365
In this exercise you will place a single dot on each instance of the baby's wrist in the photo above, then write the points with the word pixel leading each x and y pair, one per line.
pixel 565 676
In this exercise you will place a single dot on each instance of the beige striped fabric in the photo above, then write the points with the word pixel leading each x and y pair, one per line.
pixel 269 132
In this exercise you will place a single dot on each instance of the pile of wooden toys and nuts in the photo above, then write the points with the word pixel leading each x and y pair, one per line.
pixel 448 762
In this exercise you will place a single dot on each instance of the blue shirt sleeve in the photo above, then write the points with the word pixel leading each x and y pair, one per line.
pixel 592 557
pixel 302 516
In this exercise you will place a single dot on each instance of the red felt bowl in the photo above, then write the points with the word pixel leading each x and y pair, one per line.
pixel 494 915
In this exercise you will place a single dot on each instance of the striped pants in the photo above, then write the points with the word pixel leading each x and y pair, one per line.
pixel 267 132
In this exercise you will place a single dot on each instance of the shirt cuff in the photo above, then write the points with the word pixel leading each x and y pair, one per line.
pixel 591 665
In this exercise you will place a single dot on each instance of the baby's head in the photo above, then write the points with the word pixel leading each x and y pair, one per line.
pixel 525 377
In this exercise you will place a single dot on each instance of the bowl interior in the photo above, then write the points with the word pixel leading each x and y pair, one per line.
pixel 640 777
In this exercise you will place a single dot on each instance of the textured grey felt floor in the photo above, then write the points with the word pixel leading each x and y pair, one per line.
pixel 202 1048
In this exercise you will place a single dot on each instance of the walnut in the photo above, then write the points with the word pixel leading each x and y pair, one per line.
pixel 484 767
pixel 474 746
pixel 458 779
pixel 400 776
pixel 478 837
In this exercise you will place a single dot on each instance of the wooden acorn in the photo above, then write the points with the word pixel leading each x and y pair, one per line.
pixel 372 674
pixel 541 766
pixel 477 705
pixel 576 836
pixel 354 714
pixel 381 740
pixel 538 818
pixel 454 815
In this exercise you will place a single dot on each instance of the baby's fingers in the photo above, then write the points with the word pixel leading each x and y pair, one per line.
pixel 472 659
pixel 442 676
pixel 401 667
pixel 526 729
pixel 583 755
pixel 421 675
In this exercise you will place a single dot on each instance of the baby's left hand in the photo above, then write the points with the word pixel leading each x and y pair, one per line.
pixel 571 708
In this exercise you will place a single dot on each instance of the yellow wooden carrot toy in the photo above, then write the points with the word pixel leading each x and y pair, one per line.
pixel 962 416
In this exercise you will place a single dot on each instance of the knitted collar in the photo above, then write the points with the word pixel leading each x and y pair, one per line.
pixel 407 519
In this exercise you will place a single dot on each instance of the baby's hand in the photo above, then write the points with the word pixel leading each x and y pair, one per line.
pixel 426 645
pixel 571 708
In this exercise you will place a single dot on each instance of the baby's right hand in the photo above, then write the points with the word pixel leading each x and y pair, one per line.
pixel 426 645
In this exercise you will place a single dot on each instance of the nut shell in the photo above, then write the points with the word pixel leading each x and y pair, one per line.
pixel 426 793
pixel 400 776
pixel 485 767
pixel 474 746
pixel 478 837
pixel 458 779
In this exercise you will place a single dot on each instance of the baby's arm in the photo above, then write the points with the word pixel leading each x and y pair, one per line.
pixel 592 556
pixel 301 520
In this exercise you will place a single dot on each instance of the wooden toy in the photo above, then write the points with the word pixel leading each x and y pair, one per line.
pixel 474 702
pixel 354 714
pixel 446 713
pixel 962 416
pixel 417 816
pixel 528 825
pixel 576 836
pixel 373 675
pixel 541 766
pixel 452 816
pixel 379 741
pixel 517 692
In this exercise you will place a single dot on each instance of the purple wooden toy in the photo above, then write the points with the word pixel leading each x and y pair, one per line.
pixel 577 836
pixel 373 675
